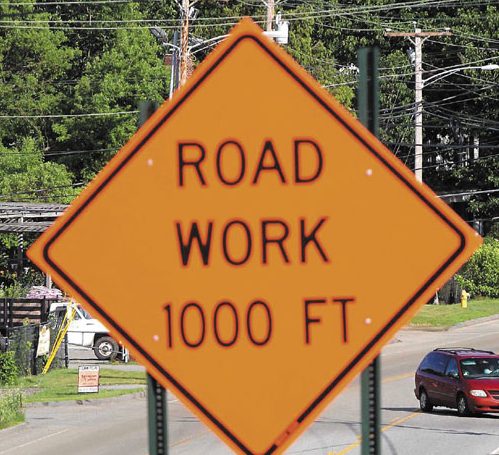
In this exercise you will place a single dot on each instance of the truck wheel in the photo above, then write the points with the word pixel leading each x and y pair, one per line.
pixel 106 348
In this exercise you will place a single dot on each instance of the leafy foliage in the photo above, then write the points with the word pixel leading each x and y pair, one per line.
pixel 13 290
pixel 26 176
pixel 128 69
pixel 480 275
pixel 9 374
pixel 32 63
pixel 11 412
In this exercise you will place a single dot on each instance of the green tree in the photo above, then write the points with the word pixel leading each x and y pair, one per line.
pixel 480 275
pixel 26 176
pixel 33 61
pixel 130 69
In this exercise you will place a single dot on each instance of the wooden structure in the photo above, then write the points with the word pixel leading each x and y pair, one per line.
pixel 18 312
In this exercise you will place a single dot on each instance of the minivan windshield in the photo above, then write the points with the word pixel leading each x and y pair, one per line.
pixel 480 367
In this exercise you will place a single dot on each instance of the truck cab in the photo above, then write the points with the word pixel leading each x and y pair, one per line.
pixel 88 332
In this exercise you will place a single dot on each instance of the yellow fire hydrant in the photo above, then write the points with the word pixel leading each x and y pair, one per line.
pixel 464 299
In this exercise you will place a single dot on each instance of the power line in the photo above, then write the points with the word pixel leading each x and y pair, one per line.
pixel 481 158
pixel 61 152
pixel 79 2
pixel 463 122
pixel 43 190
pixel 90 114
pixel 466 193
pixel 461 45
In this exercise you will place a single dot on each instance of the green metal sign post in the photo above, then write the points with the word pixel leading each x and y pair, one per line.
pixel 158 417
pixel 371 409
pixel 368 104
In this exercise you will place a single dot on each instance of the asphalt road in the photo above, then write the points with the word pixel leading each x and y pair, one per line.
pixel 120 427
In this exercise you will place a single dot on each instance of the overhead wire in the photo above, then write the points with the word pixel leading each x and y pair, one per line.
pixel 480 158
pixel 78 2
pixel 88 114
pixel 41 190
pixel 59 152
pixel 340 10
pixel 463 122
pixel 430 40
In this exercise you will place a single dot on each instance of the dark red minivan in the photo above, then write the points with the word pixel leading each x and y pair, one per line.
pixel 463 378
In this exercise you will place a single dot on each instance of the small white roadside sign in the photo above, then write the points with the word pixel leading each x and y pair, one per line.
pixel 88 379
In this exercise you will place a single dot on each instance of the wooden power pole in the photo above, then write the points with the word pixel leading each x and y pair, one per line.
pixel 419 38
pixel 270 14
pixel 184 42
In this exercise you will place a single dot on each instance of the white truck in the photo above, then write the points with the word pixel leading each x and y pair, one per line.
pixel 88 332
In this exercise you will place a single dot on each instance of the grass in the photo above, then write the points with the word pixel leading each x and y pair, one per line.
pixel 62 385
pixel 11 412
pixel 444 316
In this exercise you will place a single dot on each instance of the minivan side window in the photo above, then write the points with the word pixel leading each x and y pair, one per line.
pixel 434 363
pixel 451 370
pixel 425 364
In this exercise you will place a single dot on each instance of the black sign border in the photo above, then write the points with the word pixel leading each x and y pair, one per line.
pixel 169 113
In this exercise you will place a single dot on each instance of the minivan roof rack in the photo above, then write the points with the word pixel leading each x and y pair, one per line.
pixel 460 349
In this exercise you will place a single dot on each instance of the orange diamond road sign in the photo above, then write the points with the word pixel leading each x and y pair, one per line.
pixel 253 245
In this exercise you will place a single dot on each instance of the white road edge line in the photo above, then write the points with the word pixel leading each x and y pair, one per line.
pixel 36 440
pixel 495 452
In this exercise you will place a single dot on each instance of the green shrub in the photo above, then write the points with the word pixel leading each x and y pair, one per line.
pixel 480 275
pixel 9 373
pixel 10 408
pixel 15 290
pixel 21 344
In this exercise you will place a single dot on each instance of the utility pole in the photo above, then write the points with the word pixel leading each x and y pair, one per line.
pixel 418 112
pixel 270 14
pixel 419 38
pixel 174 78
pixel 184 41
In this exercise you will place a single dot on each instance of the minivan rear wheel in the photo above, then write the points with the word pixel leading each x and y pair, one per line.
pixel 424 401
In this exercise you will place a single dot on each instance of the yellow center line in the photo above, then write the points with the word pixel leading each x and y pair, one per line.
pixel 400 420
pixel 393 423
pixel 397 378
pixel 189 438
pixel 348 448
